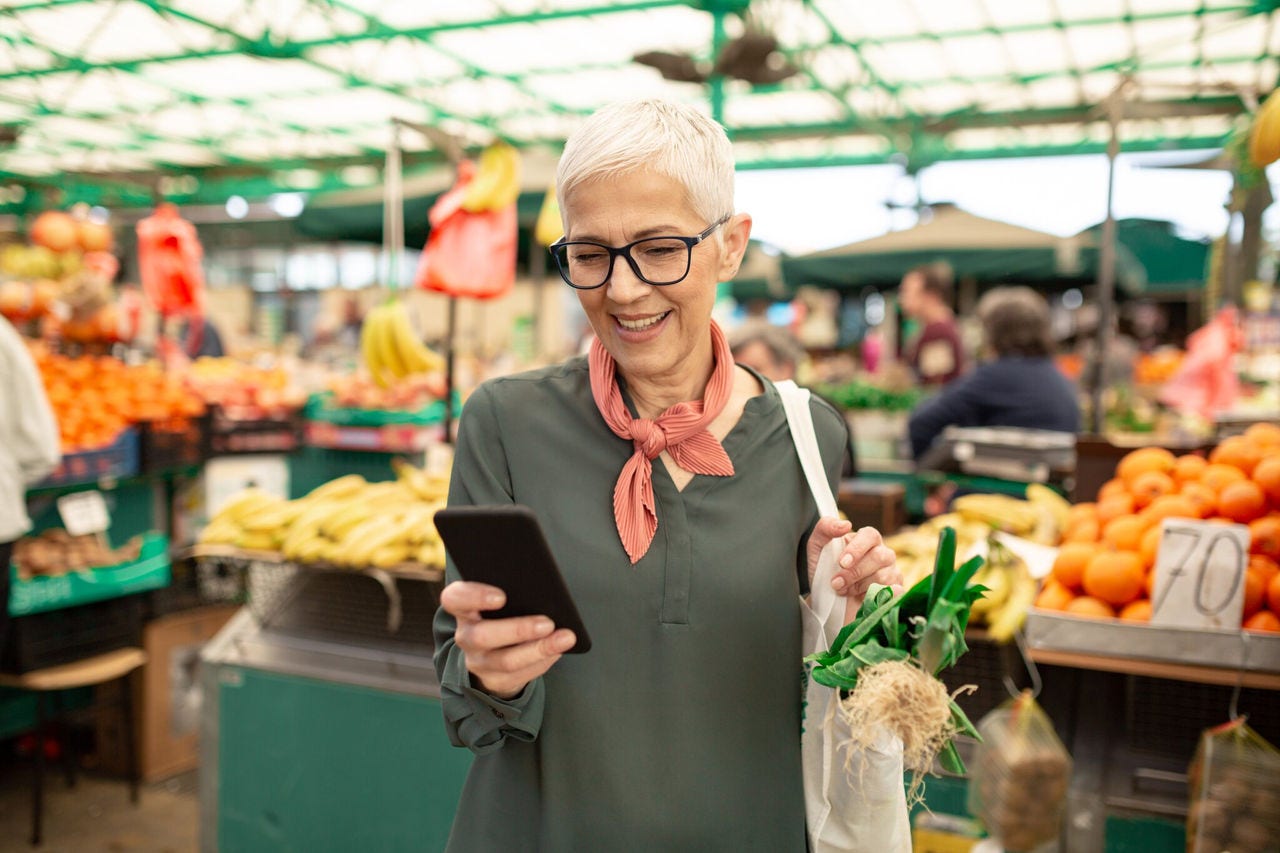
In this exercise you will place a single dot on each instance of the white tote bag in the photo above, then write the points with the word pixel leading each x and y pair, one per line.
pixel 853 803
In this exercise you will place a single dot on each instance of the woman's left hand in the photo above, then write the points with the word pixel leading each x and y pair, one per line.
pixel 864 560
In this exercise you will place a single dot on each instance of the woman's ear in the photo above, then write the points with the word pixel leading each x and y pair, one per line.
pixel 737 231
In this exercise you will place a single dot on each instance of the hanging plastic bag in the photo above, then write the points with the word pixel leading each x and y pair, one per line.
pixel 1206 383
pixel 1235 792
pixel 1021 772
pixel 169 258
pixel 468 254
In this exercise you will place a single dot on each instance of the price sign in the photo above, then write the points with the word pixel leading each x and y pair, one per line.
pixel 84 512
pixel 1200 574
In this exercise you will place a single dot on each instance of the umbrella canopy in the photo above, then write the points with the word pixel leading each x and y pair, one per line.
pixel 987 250
pixel 760 276
pixel 1171 264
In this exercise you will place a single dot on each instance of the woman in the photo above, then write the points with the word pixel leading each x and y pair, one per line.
pixel 684 542
pixel 1019 386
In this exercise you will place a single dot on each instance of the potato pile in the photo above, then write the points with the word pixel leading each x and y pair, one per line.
pixel 56 552
pixel 1235 793
pixel 1020 775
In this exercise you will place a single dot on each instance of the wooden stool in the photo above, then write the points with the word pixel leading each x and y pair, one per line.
pixel 90 672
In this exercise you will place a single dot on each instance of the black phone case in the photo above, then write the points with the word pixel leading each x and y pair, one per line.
pixel 504 546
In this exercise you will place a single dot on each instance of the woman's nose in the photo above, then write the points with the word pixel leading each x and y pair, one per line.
pixel 624 285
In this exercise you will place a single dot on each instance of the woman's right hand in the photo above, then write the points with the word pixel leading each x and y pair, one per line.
pixel 502 655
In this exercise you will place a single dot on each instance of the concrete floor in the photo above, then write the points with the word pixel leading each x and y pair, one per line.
pixel 96 816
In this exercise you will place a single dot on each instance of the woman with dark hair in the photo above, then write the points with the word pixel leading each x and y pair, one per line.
pixel 1017 386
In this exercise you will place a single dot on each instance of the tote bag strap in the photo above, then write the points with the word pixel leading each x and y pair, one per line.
pixel 795 402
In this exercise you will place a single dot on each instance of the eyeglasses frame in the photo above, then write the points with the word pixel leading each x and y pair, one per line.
pixel 625 253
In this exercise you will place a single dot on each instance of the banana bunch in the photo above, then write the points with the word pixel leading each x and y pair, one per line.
pixel 497 180
pixel 1011 590
pixel 1264 135
pixel 390 348
pixel 347 521
pixel 916 547
pixel 1041 517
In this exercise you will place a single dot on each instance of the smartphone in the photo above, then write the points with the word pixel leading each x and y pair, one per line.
pixel 503 546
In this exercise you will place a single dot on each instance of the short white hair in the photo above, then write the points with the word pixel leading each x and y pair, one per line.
pixel 671 139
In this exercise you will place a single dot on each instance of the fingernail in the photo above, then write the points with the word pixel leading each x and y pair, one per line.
pixel 846 561
pixel 544 626
pixel 838 583
pixel 494 599
pixel 564 642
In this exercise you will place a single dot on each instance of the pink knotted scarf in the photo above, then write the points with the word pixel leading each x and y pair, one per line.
pixel 680 430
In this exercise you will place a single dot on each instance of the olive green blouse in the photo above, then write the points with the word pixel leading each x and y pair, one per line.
pixel 680 729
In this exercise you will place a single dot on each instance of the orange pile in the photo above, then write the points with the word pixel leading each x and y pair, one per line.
pixel 1104 567
pixel 94 398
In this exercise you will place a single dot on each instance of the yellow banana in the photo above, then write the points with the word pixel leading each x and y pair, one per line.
pixel 497 180
pixel 219 531
pixel 276 517
pixel 1264 136
pixel 415 356
pixel 1002 622
pixel 256 541
pixel 549 227
pixel 370 345
pixel 1057 505
pixel 1007 513
pixel 244 504
pixel 346 486
pixel 388 354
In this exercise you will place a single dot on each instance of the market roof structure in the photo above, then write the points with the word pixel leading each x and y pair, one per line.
pixel 128 100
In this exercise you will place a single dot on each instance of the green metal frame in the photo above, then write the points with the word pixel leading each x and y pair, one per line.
pixel 897 129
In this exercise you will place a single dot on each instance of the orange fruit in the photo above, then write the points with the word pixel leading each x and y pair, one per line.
pixel 1087 530
pixel 1215 476
pixel 1265 566
pixel 1125 533
pixel 1148 486
pixel 1264 434
pixel 1111 488
pixel 1145 459
pixel 1068 567
pixel 1149 584
pixel 1149 546
pixel 1188 468
pixel 1204 498
pixel 1238 452
pixel 1242 502
pixel 1136 611
pixel 1255 593
pixel 1267 475
pixel 1263 620
pixel 1114 577
pixel 1053 596
pixel 1081 511
pixel 1089 608
pixel 1264 536
pixel 1113 507
pixel 1170 506
pixel 1273 593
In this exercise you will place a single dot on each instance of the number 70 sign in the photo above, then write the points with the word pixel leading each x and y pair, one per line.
pixel 1200 573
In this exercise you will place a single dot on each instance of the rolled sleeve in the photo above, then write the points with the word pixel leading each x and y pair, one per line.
pixel 480 721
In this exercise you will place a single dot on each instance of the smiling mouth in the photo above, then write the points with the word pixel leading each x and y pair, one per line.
pixel 641 325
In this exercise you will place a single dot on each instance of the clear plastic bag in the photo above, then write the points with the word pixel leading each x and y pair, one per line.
pixel 1020 775
pixel 1235 792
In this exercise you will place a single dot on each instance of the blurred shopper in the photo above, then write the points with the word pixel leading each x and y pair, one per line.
pixel 684 554
pixel 775 354
pixel 1018 386
pixel 28 448
pixel 936 353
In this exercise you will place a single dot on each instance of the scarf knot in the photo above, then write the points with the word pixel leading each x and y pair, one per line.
pixel 681 430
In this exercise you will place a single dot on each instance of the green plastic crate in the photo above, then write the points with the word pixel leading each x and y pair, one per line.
pixel 150 571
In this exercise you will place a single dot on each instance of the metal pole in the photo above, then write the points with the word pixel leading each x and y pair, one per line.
pixel 393 211
pixel 1106 266
pixel 538 277
pixel 717 80
pixel 448 369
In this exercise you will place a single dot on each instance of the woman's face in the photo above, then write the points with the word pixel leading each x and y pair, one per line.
pixel 653 333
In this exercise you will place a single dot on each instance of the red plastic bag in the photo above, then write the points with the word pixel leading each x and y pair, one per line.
pixel 1206 382
pixel 468 254
pixel 169 256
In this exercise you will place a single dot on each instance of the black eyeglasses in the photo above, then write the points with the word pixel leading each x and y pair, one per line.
pixel 654 260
